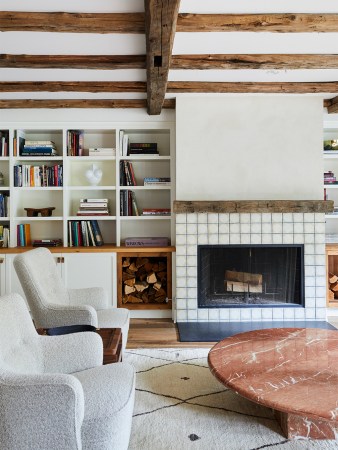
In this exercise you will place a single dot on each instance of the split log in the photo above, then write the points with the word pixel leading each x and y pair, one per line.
pixel 148 267
pixel 157 285
pixel 127 276
pixel 129 289
pixel 162 275
pixel 244 277
pixel 238 286
pixel 130 281
pixel 332 278
pixel 134 299
pixel 151 278
pixel 126 262
pixel 141 262
pixel 133 267
pixel 162 266
pixel 145 297
pixel 140 286
pixel 334 287
pixel 331 295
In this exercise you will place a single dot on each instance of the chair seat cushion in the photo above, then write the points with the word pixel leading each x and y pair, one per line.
pixel 109 400
pixel 113 318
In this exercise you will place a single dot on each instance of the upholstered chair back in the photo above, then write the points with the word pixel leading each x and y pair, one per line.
pixel 40 279
pixel 20 351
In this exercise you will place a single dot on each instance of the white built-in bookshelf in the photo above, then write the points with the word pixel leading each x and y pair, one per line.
pixel 330 163
pixel 115 228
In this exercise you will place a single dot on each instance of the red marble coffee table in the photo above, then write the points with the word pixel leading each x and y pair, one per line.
pixel 294 371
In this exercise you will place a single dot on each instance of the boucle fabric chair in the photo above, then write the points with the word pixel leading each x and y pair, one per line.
pixel 54 305
pixel 54 392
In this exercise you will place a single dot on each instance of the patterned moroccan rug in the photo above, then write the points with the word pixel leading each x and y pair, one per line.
pixel 180 405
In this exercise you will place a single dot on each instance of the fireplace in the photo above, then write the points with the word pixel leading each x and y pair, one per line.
pixel 250 276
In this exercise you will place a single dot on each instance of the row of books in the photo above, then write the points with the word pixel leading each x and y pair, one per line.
pixel 4 205
pixel 93 207
pixel 329 178
pixel 128 205
pixel 136 148
pixel 4 236
pixel 75 142
pixel 84 233
pixel 26 175
pixel 4 139
pixel 23 235
pixel 127 175
pixel 38 148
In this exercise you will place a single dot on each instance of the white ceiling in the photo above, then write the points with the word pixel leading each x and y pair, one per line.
pixel 185 43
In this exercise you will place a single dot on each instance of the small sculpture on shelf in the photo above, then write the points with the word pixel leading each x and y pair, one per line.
pixel 93 175
pixel 34 212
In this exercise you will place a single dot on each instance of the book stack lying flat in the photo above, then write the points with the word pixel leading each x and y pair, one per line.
pixel 143 148
pixel 146 242
pixel 47 242
pixel 156 212
pixel 39 148
pixel 156 181
pixel 102 151
pixel 329 178
pixel 93 207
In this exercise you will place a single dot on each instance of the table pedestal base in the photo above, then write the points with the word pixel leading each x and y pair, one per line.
pixel 294 426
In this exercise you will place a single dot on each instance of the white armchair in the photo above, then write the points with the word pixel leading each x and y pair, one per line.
pixel 53 305
pixel 54 392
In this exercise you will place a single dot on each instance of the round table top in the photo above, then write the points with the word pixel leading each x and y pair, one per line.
pixel 293 370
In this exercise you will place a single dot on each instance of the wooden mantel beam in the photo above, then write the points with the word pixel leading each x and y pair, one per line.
pixel 63 22
pixel 108 62
pixel 78 103
pixel 276 23
pixel 255 61
pixel 160 25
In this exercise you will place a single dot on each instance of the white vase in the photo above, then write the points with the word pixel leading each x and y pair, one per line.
pixel 93 175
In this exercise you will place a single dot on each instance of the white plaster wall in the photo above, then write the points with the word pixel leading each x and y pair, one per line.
pixel 249 148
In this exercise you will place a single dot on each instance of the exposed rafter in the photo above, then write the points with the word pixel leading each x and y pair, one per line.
pixel 332 105
pixel 109 62
pixel 278 23
pixel 256 87
pixel 63 22
pixel 160 25
pixel 73 86
pixel 255 61
pixel 70 103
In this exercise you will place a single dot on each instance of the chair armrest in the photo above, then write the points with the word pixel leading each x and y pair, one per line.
pixel 70 353
pixel 95 297
pixel 41 411
pixel 62 315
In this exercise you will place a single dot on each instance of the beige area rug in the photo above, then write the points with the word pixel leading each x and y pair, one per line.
pixel 180 405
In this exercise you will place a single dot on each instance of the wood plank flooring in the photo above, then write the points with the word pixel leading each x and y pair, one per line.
pixel 158 333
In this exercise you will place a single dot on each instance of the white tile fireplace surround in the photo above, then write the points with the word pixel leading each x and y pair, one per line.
pixel 198 224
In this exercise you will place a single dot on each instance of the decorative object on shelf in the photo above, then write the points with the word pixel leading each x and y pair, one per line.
pixel 93 175
pixel 2 180
pixel 34 212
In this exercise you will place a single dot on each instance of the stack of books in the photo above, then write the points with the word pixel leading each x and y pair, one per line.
pixel 4 138
pixel 75 142
pixel 26 175
pixel 143 148
pixel 38 148
pixel 84 233
pixel 127 175
pixel 128 205
pixel 47 242
pixel 23 235
pixel 102 151
pixel 329 178
pixel 4 205
pixel 93 207
pixel 4 236
pixel 154 181
pixel 156 212
pixel 146 242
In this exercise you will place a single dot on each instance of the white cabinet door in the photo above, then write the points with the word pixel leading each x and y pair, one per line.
pixel 82 270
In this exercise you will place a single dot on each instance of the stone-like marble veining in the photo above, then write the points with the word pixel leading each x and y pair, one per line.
pixel 291 370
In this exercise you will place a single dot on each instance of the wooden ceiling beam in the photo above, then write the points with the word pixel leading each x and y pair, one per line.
pixel 276 23
pixel 256 61
pixel 160 26
pixel 105 62
pixel 71 103
pixel 73 86
pixel 63 22
pixel 332 105
pixel 252 87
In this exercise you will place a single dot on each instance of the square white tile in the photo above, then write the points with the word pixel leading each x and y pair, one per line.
pixel 181 228
pixel 234 218
pixel 223 228
pixel 223 218
pixel 192 218
pixel 202 218
pixel 181 218
pixel 266 218
pixel 192 228
pixel 245 218
pixel 181 315
pixel 192 239
pixel 213 218
pixel 223 239
pixel 245 228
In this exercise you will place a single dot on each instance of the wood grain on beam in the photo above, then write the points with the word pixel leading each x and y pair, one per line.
pixel 258 61
pixel 279 23
pixel 160 25
pixel 73 86
pixel 62 22
pixel 70 103
pixel 252 87
pixel 249 206
pixel 109 62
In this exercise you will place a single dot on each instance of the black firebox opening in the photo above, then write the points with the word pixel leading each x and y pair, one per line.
pixel 250 275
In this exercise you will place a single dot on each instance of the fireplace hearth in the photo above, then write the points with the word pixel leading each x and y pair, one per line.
pixel 250 275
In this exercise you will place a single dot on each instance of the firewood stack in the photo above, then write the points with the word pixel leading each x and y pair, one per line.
pixel 144 280
pixel 333 287
pixel 243 282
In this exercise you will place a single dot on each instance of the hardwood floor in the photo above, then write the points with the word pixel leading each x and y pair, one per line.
pixel 158 333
